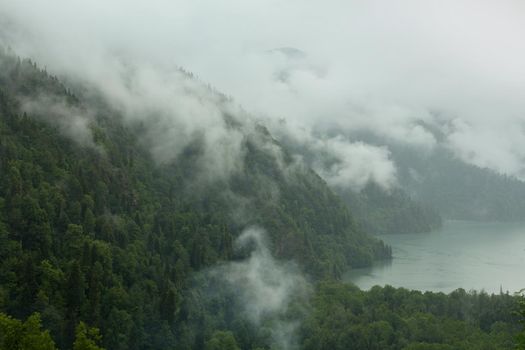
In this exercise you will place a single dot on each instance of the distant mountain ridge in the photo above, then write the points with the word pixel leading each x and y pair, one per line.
pixel 456 190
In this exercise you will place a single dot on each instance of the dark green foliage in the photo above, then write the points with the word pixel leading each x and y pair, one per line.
pixel 86 338
pixel 102 237
pixel 344 317
pixel 101 233
pixel 28 335
pixel 520 313
pixel 339 316
pixel 222 341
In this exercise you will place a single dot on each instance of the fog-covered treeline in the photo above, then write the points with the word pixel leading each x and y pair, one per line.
pixel 105 233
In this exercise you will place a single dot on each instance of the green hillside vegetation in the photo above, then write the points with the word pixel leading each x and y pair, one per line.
pixel 338 317
pixel 102 247
pixel 107 236
pixel 388 318
pixel 381 211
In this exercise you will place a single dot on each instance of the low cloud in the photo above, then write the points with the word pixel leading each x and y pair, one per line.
pixel 73 122
pixel 341 162
pixel 355 164
pixel 495 144
pixel 175 111
pixel 344 65
pixel 264 288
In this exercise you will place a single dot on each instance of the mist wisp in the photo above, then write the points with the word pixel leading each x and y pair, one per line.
pixel 264 289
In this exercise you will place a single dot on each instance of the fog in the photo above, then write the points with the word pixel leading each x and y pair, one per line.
pixel 71 121
pixel 263 288
pixel 378 66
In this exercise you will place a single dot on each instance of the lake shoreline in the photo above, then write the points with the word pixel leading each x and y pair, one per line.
pixel 464 254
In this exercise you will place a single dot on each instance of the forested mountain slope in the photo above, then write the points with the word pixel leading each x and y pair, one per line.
pixel 100 235
pixel 377 208
pixel 455 189
pixel 105 234
pixel 462 191
pixel 381 211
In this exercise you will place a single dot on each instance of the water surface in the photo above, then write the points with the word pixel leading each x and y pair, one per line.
pixel 469 255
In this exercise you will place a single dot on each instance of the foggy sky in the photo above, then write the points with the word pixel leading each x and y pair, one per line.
pixel 361 65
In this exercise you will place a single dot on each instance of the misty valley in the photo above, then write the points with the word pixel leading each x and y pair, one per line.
pixel 171 182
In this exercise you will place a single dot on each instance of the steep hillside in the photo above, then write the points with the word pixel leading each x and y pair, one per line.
pixel 459 190
pixel 381 211
pixel 445 184
pixel 377 208
pixel 99 231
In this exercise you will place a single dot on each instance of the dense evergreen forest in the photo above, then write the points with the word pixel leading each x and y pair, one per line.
pixel 101 246
pixel 381 211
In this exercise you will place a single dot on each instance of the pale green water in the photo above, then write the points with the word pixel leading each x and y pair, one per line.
pixel 461 255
